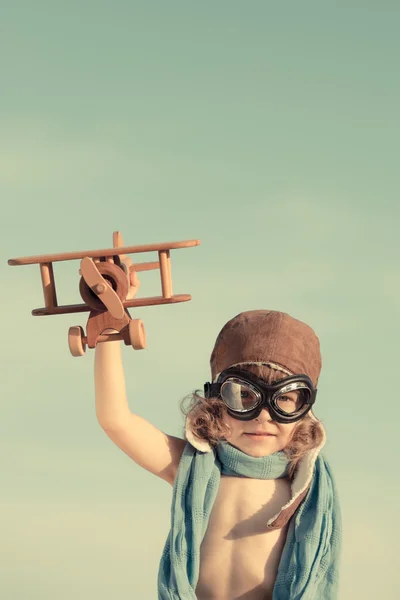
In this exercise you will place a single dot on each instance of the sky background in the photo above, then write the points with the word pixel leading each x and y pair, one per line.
pixel 270 132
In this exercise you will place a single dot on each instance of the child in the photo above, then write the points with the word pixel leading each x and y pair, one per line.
pixel 255 514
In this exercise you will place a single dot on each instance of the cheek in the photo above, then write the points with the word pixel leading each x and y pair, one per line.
pixel 286 433
pixel 234 426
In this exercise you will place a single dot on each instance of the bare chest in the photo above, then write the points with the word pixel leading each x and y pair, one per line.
pixel 239 557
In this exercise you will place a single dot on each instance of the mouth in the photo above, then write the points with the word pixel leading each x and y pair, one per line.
pixel 261 434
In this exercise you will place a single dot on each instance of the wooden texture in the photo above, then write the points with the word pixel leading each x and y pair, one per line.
pixel 117 239
pixel 165 271
pixel 118 242
pixel 107 337
pixel 46 258
pixel 49 285
pixel 79 308
pixel 76 341
pixel 100 321
pixel 126 264
pixel 146 266
pixel 103 274
pixel 137 334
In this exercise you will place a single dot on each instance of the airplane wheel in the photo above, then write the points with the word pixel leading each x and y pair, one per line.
pixel 76 344
pixel 137 334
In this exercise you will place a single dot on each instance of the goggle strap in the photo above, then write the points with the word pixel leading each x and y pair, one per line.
pixel 211 390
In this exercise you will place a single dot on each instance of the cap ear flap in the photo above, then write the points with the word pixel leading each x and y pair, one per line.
pixel 201 445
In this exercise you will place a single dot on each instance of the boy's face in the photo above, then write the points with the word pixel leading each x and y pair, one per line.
pixel 272 437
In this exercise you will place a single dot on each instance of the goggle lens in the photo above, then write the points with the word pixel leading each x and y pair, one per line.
pixel 238 395
pixel 293 401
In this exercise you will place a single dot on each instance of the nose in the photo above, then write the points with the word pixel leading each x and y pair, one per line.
pixel 264 416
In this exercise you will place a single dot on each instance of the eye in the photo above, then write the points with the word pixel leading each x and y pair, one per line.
pixel 237 395
pixel 290 403
pixel 286 399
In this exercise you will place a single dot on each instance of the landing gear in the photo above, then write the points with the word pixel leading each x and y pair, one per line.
pixel 77 345
pixel 137 334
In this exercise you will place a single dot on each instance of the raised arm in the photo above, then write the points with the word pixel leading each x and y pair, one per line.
pixel 149 447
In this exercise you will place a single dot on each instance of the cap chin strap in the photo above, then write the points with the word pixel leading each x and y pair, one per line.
pixel 196 442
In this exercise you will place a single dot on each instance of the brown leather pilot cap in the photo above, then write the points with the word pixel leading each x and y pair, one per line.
pixel 268 336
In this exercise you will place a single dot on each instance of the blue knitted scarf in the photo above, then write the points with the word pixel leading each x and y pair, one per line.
pixel 309 564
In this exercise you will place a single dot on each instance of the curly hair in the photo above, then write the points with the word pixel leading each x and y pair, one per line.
pixel 207 419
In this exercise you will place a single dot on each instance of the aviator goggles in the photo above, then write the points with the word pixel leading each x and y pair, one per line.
pixel 245 395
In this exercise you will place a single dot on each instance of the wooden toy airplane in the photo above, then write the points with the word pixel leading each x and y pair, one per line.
pixel 108 286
